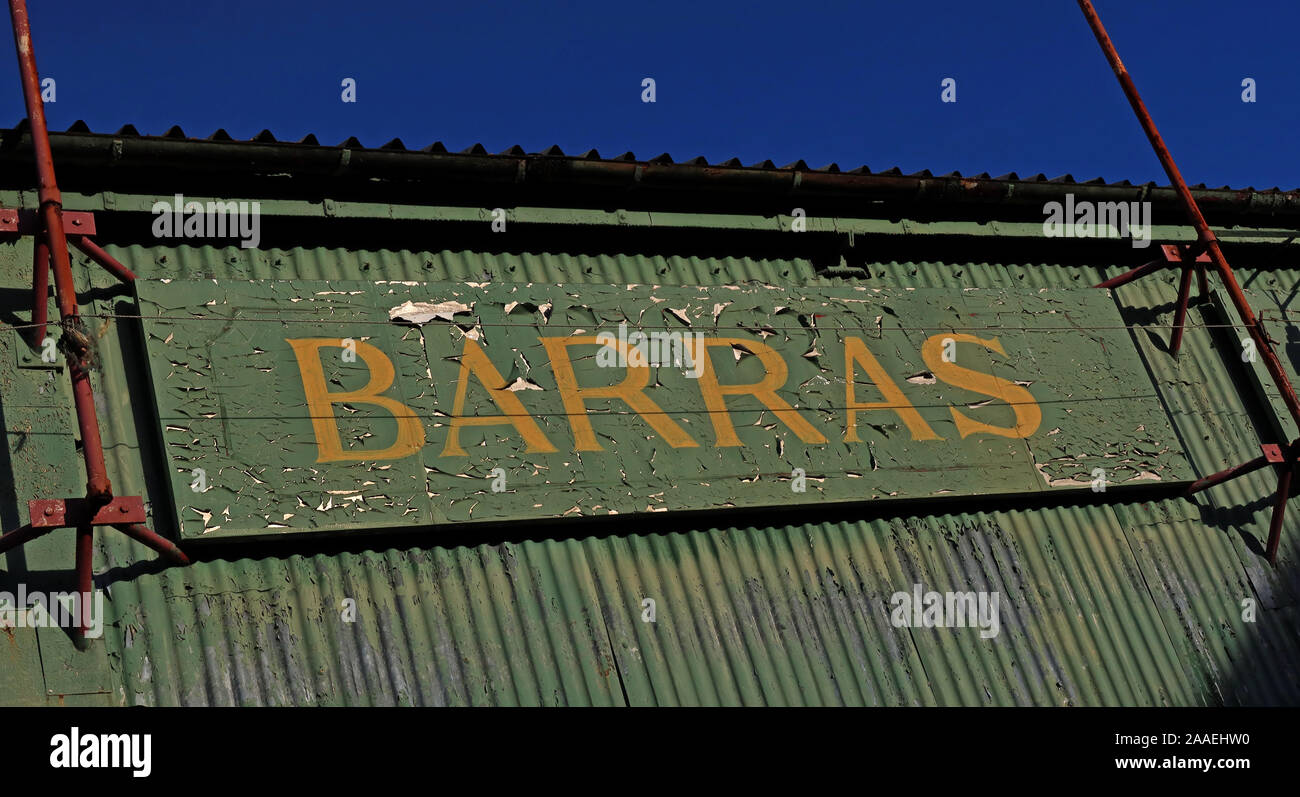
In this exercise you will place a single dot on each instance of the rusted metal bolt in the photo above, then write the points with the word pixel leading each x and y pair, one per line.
pixel 49 510
pixel 123 509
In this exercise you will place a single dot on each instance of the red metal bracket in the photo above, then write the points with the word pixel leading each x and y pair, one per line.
pixel 1188 258
pixel 58 513
pixel 1174 253
pixel 21 221
pixel 125 513
pixel 80 226
pixel 1285 460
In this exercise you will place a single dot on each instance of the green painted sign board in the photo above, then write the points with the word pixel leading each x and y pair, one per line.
pixel 311 406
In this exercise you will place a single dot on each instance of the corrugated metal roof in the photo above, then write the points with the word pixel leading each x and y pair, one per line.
pixel 790 615
pixel 1114 604
pixel 175 133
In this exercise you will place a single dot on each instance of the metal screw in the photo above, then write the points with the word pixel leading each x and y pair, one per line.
pixel 49 510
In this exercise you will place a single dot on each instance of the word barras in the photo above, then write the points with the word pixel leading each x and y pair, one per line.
pixel 475 365
pixel 311 406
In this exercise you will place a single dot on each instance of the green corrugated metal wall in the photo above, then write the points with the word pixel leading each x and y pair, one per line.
pixel 1103 605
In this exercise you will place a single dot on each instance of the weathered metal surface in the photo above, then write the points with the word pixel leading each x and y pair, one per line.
pixel 1215 418
pixel 1135 603
pixel 1098 610
pixel 289 406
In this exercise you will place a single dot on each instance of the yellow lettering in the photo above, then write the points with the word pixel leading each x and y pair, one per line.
pixel 856 351
pixel 631 391
pixel 764 391
pixel 1028 414
pixel 473 360
pixel 320 402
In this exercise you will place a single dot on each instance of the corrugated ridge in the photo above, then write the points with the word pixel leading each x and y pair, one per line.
pixel 1129 604
pixel 554 152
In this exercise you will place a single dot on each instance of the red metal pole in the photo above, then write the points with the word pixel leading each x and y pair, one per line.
pixel 1279 511
pixel 103 258
pixel 1180 315
pixel 1204 234
pixel 85 579
pixel 40 288
pixel 1225 475
pixel 1137 273
pixel 20 535
pixel 97 483
pixel 162 545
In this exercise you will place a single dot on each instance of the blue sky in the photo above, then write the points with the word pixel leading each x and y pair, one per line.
pixel 854 82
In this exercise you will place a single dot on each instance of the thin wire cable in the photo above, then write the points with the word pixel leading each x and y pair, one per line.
pixel 762 327
pixel 598 413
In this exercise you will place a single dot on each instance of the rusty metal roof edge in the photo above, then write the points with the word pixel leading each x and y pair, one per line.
pixel 264 154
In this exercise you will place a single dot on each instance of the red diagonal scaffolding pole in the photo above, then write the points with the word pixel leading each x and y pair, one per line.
pixel 1203 233
pixel 51 211
pixel 99 507
pixel 1207 241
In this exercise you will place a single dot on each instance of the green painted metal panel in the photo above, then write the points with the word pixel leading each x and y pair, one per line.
pixel 292 406
pixel 1133 602
pixel 21 680
pixel 239 436
pixel 271 208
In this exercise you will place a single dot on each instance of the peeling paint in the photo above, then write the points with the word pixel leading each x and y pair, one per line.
pixel 486 383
